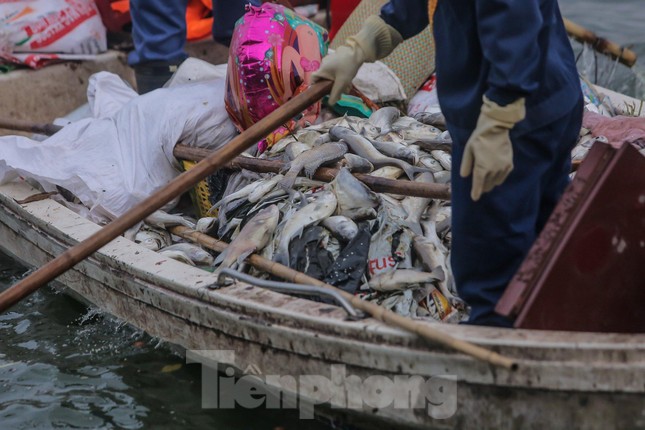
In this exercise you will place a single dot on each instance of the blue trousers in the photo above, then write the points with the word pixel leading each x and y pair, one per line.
pixel 491 237
pixel 159 27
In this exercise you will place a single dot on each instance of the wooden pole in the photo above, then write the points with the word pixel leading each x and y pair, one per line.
pixel 173 189
pixel 604 46
pixel 325 174
pixel 31 127
pixel 378 312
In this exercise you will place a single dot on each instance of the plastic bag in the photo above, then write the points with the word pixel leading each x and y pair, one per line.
pixel 114 161
pixel 35 31
pixel 426 99
pixel 273 54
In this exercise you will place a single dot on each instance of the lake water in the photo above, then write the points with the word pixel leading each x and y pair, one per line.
pixel 63 365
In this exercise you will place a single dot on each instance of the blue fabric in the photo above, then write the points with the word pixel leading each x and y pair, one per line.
pixel 491 237
pixel 504 49
pixel 159 27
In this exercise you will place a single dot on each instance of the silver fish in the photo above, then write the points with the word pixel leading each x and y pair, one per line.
pixel 388 172
pixel 178 255
pixel 442 177
pixel 415 206
pixel 311 160
pixel 263 188
pixel 435 119
pixel 355 199
pixel 400 279
pixel 254 236
pixel 322 139
pixel 364 148
pixel 296 148
pixel 357 164
pixel 443 158
pixel 314 212
pixel 397 150
pixel 206 225
pixel 153 239
pixel 341 227
pixel 196 254
pixel 432 254
pixel 431 164
pixel 384 118
pixel 164 220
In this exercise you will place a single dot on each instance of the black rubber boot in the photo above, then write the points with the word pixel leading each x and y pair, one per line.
pixel 153 75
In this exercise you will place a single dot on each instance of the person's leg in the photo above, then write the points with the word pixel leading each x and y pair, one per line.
pixel 491 237
pixel 159 35
pixel 225 14
pixel 557 179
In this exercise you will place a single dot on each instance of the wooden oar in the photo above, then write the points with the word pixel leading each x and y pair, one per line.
pixel 624 55
pixel 173 189
pixel 378 312
pixel 379 185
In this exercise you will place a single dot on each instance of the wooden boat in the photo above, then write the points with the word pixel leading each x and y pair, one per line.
pixel 564 380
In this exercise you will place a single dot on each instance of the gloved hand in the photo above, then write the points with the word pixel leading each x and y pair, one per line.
pixel 376 40
pixel 489 154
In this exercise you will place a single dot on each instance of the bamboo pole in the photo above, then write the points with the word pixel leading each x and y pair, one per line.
pixel 173 189
pixel 604 46
pixel 378 312
pixel 325 174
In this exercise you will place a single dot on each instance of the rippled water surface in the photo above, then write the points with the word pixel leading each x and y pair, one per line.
pixel 65 366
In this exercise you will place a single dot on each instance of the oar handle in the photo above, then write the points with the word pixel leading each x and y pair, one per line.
pixel 173 189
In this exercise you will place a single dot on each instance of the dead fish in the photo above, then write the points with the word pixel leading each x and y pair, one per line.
pixel 400 279
pixel 242 193
pixel 357 164
pixel 263 188
pixel 442 177
pixel 296 148
pixel 322 139
pixel 443 158
pixel 314 212
pixel 415 206
pixel 164 220
pixel 206 225
pixel 431 164
pixel 254 236
pixel 131 233
pixel 341 227
pixel 397 150
pixel 432 254
pixel 178 255
pixel 196 254
pixel 388 172
pixel 384 118
pixel 364 148
pixel 310 161
pixel 435 119
pixel 355 199
pixel 153 239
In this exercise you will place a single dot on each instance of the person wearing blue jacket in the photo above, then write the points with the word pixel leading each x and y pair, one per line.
pixel 159 35
pixel 509 90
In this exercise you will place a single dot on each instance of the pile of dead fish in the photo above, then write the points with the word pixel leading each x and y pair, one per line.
pixel 391 249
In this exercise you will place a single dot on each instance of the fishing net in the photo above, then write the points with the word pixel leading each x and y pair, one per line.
pixel 607 72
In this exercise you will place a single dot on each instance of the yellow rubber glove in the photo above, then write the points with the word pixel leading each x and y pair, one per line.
pixel 376 40
pixel 489 154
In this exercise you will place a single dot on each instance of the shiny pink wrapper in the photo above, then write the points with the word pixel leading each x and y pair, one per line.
pixel 273 53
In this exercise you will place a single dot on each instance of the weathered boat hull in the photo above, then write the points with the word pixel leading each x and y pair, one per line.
pixel 565 380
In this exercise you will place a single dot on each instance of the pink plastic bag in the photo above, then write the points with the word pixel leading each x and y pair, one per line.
pixel 273 54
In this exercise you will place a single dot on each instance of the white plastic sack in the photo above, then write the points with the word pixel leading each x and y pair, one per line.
pixel 379 83
pixel 426 99
pixel 34 31
pixel 118 158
